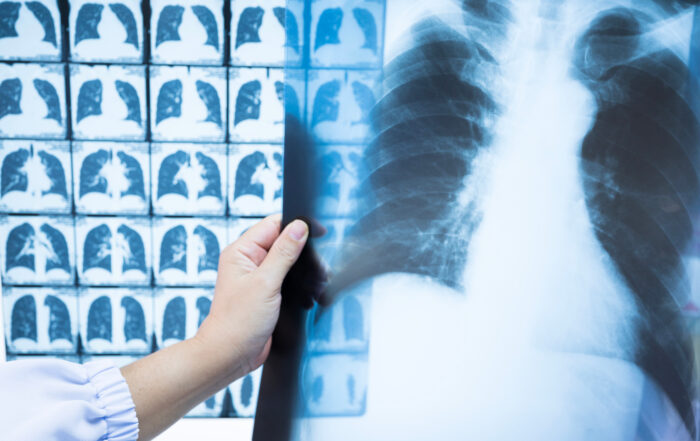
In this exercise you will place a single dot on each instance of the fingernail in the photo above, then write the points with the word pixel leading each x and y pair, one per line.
pixel 298 230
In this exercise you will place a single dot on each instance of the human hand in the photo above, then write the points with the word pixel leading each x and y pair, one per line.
pixel 247 296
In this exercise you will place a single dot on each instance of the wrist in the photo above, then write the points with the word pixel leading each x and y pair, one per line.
pixel 222 352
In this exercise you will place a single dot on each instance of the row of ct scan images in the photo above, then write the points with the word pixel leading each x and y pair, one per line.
pixel 95 321
pixel 344 33
pixel 238 400
pixel 186 103
pixel 183 179
pixel 54 320
pixel 115 178
pixel 114 251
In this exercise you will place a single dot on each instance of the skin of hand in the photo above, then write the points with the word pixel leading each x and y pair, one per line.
pixel 232 341
pixel 247 296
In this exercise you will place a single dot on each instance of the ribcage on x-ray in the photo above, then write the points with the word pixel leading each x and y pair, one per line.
pixel 446 93
pixel 640 163
pixel 430 126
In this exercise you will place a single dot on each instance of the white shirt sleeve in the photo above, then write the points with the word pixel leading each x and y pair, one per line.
pixel 51 399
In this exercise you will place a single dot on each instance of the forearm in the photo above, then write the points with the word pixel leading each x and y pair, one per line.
pixel 167 384
pixel 234 338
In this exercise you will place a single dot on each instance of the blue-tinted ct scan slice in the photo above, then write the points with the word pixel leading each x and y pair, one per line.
pixel 32 101
pixel 184 32
pixel 30 31
pixel 106 31
pixel 118 321
pixel 509 196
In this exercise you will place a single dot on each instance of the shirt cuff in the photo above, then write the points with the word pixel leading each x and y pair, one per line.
pixel 114 398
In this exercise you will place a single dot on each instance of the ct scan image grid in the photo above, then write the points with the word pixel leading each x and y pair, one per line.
pixel 138 139
pixel 509 192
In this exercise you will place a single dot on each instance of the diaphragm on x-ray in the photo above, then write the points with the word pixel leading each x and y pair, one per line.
pixel 505 195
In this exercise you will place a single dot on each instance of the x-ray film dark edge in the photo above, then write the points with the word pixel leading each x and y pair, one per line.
pixel 279 393
pixel 64 8
pixel 146 44
pixel 227 37
pixel 280 400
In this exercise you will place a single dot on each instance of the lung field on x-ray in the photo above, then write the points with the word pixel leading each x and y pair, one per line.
pixel 640 169
pixel 440 129
pixel 431 124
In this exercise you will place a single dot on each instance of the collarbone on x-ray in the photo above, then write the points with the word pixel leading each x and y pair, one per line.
pixel 530 191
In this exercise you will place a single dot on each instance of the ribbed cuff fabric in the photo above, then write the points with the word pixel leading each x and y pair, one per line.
pixel 114 397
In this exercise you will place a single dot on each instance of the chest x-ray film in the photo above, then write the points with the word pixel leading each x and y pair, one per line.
pixel 504 195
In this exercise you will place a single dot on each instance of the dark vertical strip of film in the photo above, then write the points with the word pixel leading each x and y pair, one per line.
pixel 279 387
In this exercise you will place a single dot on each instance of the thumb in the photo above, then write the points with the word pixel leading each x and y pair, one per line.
pixel 284 252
